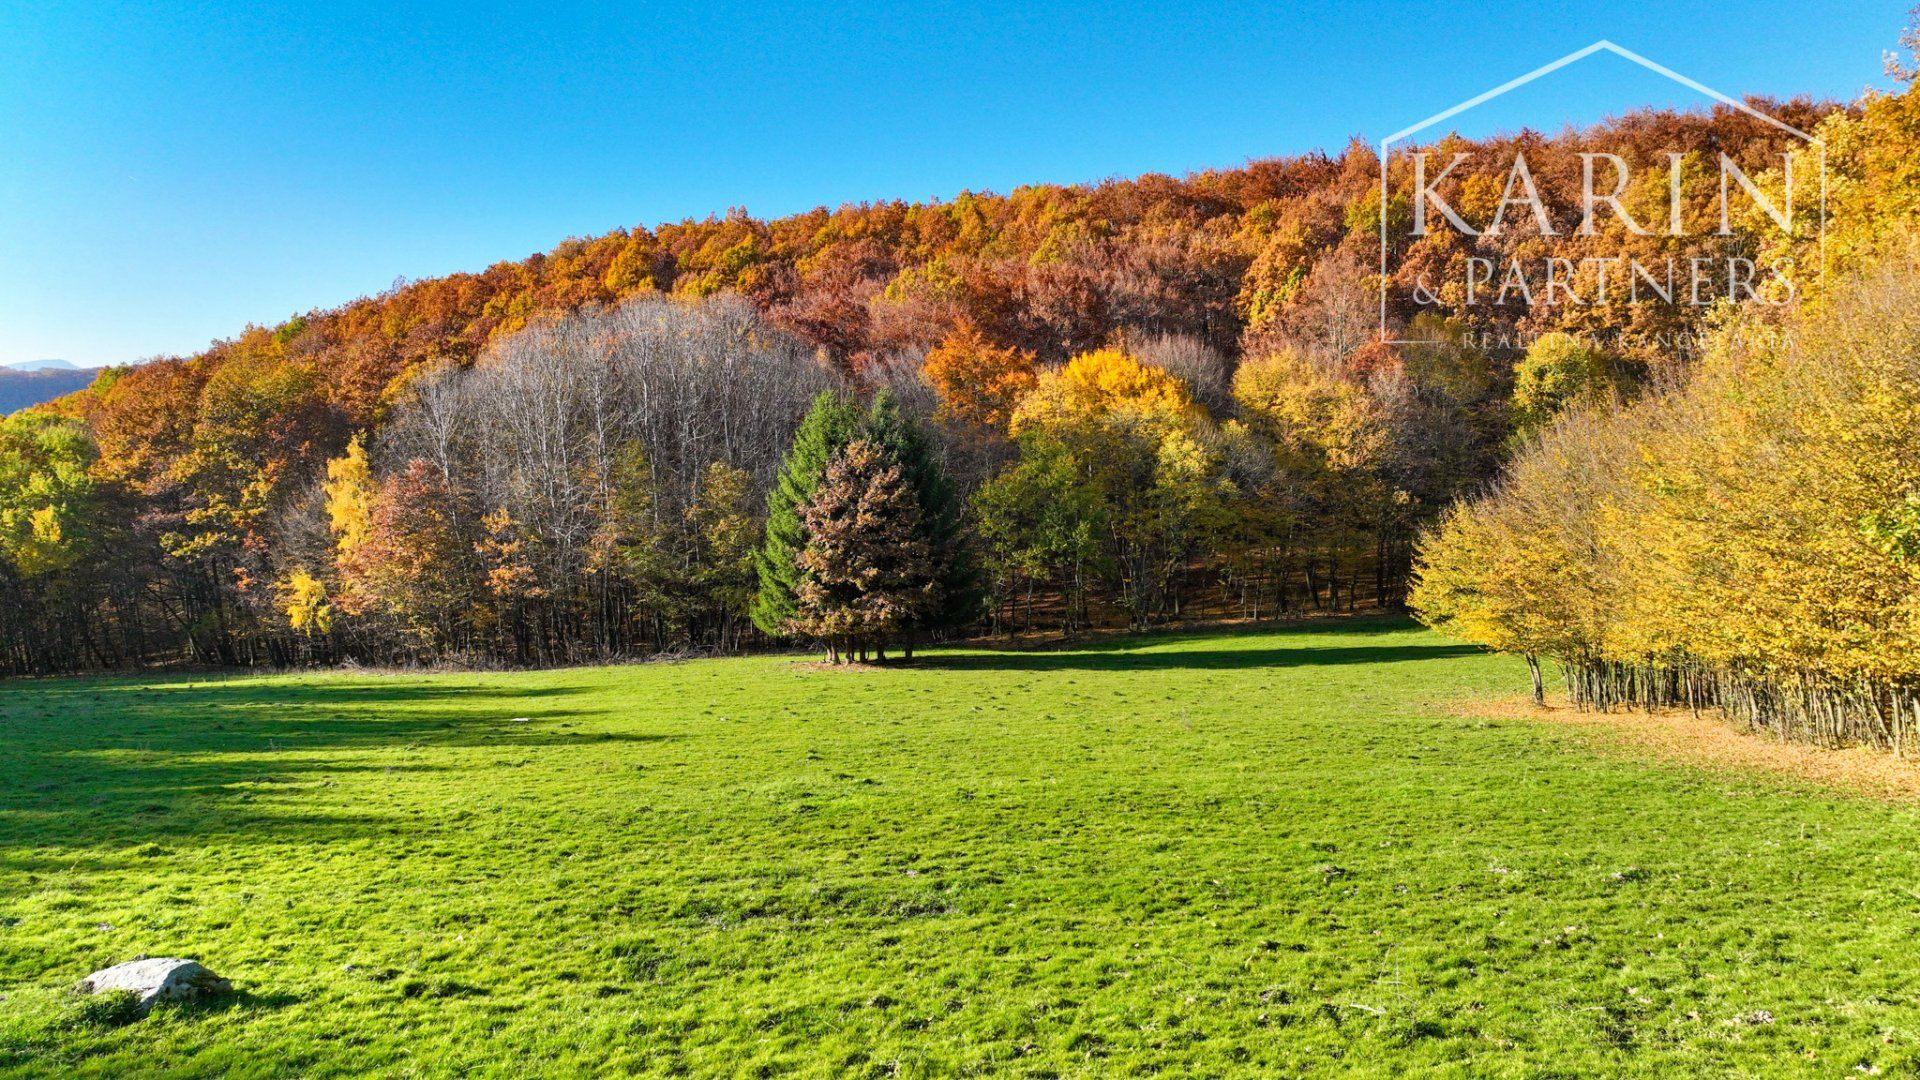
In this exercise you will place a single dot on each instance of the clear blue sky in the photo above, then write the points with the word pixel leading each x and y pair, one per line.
pixel 170 172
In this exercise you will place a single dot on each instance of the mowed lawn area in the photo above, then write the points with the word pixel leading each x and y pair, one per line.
pixel 1236 853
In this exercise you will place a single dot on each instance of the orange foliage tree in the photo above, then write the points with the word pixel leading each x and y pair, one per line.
pixel 979 383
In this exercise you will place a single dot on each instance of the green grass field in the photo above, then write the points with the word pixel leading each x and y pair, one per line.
pixel 1224 854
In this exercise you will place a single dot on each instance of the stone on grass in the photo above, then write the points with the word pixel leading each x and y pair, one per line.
pixel 157 979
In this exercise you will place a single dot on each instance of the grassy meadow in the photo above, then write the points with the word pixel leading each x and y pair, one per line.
pixel 1236 853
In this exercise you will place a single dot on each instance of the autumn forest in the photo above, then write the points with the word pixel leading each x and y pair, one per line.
pixel 1053 410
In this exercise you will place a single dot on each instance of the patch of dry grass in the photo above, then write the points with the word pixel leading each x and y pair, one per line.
pixel 1711 742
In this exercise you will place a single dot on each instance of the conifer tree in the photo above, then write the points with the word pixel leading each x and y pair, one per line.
pixel 867 572
pixel 905 440
pixel 829 425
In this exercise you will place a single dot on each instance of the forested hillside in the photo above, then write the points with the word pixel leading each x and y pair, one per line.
pixel 1145 395
pixel 23 389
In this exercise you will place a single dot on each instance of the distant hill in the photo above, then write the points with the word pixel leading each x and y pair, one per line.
pixel 40 381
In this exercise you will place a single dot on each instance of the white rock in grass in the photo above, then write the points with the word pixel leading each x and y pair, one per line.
pixel 158 979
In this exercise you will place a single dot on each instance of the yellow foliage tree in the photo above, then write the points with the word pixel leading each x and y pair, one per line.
pixel 1309 413
pixel 1126 443
pixel 1869 204
pixel 1095 384
pixel 1522 569
pixel 303 598
pixel 350 491
pixel 1557 369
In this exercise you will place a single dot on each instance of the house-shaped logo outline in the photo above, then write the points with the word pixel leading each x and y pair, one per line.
pixel 1603 45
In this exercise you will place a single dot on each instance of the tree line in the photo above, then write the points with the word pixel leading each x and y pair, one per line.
pixel 670 474
pixel 1747 540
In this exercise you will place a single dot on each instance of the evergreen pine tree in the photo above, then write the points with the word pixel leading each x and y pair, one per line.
pixel 906 440
pixel 867 574
pixel 829 425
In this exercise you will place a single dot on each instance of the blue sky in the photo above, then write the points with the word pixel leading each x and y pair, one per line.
pixel 172 172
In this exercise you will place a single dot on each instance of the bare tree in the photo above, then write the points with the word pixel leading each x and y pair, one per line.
pixel 1206 371
pixel 540 427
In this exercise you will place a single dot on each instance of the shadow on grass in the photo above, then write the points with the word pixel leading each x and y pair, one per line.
pixel 95 768
pixel 240 999
pixel 1191 652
